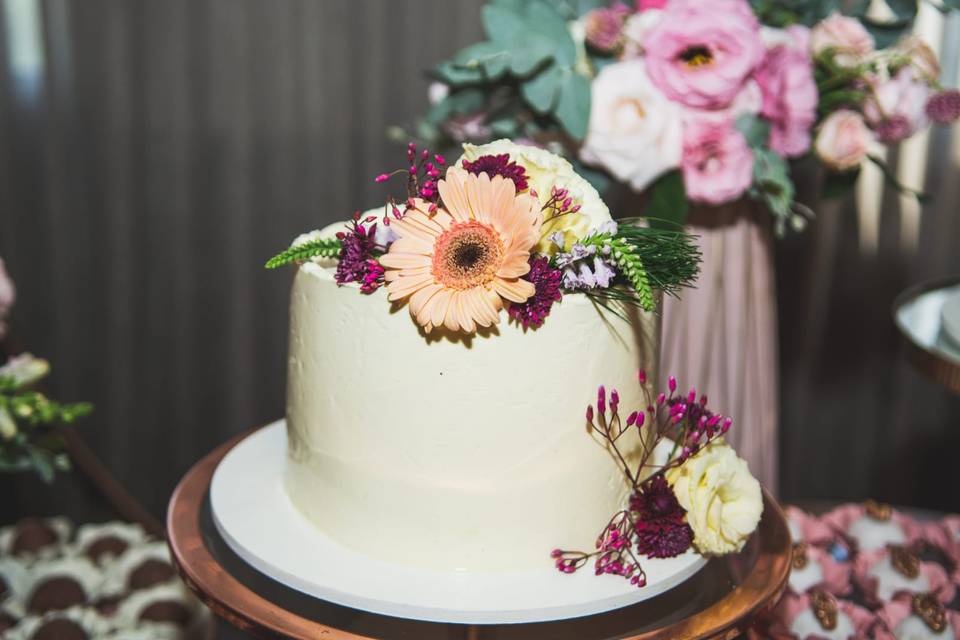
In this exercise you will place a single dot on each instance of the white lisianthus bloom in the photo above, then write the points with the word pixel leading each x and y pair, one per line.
pixel 723 501
pixel 25 369
pixel 546 170
pixel 635 133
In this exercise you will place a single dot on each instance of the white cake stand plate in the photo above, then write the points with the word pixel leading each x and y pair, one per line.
pixel 255 517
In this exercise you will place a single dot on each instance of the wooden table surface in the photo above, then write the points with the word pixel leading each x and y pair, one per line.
pixel 719 602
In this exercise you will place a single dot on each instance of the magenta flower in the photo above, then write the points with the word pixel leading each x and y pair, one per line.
pixel 604 27
pixel 789 99
pixel 701 53
pixel 944 107
pixel 499 165
pixel 537 307
pixel 357 262
pixel 643 5
pixel 717 163
pixel 896 108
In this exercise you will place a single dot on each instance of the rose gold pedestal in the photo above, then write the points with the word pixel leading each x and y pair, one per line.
pixel 719 602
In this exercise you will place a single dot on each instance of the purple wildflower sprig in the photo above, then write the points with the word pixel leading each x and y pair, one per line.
pixel 423 172
pixel 654 525
pixel 546 281
pixel 359 253
pixel 499 165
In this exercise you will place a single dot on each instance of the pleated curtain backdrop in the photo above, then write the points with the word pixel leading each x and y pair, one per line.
pixel 154 153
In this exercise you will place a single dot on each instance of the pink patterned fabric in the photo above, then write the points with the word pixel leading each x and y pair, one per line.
pixel 722 335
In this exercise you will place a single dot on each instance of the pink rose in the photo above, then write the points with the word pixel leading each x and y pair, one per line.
pixel 717 163
pixel 643 5
pixel 843 140
pixel 897 108
pixel 603 27
pixel 7 295
pixel 701 53
pixel 846 37
pixel 789 99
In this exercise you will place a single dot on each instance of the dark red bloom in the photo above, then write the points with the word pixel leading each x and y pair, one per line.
pixel 499 165
pixel 546 280
pixel 661 529
pixel 663 539
pixel 356 260
pixel 893 129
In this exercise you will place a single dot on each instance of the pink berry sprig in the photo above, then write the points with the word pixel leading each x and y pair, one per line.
pixel 423 172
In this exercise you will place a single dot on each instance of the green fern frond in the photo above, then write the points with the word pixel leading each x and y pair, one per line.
pixel 631 266
pixel 322 248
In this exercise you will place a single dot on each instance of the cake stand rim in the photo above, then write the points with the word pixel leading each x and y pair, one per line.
pixel 942 370
pixel 249 611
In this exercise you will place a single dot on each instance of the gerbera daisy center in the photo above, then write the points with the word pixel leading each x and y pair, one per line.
pixel 467 255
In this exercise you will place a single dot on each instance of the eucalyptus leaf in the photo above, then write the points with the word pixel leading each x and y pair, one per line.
pixel 540 91
pixel 573 104
pixel 502 22
pixel 545 20
pixel 455 75
pixel 754 129
pixel 488 57
pixel 668 201
pixel 772 184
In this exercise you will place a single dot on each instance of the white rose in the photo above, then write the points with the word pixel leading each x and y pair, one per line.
pixel 25 369
pixel 723 501
pixel 843 140
pixel 635 133
pixel 636 28
pixel 546 170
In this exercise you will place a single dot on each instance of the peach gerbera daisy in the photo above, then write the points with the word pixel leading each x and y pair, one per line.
pixel 458 264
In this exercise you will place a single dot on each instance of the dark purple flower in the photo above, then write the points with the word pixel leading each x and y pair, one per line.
pixel 944 107
pixel 546 280
pixel 893 129
pixel 499 165
pixel 356 260
pixel 661 529
pixel 663 538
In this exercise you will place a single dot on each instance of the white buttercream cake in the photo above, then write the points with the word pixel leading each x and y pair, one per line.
pixel 452 451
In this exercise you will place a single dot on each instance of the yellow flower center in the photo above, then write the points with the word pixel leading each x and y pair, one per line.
pixel 467 255
pixel 696 56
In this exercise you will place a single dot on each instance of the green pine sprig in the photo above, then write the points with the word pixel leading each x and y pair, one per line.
pixel 670 258
pixel 321 248
pixel 626 257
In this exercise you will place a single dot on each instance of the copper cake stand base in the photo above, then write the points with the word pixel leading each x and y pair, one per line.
pixel 720 601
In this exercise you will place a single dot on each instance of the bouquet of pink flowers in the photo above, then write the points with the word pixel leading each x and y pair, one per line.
pixel 696 101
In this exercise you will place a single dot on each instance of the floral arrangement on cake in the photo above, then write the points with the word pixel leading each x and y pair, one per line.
pixel 697 102
pixel 700 494
pixel 509 226
pixel 28 420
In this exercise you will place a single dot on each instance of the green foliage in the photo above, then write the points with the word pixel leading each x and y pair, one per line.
pixel 754 129
pixel 891 178
pixel 772 186
pixel 649 259
pixel 322 248
pixel 837 184
pixel 29 439
pixel 668 201
pixel 529 47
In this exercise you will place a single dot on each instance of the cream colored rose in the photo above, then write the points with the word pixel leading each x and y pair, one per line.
pixel 545 170
pixel 635 133
pixel 843 140
pixel 847 37
pixel 723 501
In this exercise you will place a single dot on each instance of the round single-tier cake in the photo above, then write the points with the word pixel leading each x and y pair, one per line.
pixel 448 450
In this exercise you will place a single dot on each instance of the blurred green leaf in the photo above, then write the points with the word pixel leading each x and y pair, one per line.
pixel 772 184
pixel 755 130
pixel 545 20
pixel 540 91
pixel 668 201
pixel 573 104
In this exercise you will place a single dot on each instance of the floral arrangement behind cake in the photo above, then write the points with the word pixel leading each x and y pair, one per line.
pixel 509 226
pixel 28 419
pixel 700 102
